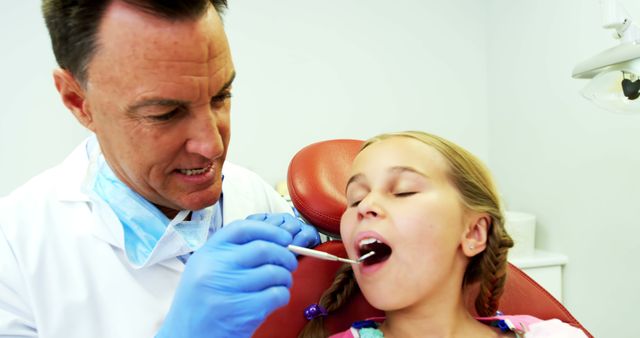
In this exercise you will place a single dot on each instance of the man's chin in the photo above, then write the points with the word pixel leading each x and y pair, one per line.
pixel 200 203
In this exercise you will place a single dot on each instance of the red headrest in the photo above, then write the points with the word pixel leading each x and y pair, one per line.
pixel 316 181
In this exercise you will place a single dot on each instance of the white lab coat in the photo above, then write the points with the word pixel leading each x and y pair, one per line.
pixel 63 271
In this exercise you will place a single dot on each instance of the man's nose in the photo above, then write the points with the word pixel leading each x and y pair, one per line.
pixel 205 137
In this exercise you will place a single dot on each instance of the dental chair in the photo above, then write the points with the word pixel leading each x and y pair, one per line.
pixel 316 181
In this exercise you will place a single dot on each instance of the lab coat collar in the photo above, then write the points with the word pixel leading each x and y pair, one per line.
pixel 68 189
pixel 109 229
pixel 71 188
pixel 72 171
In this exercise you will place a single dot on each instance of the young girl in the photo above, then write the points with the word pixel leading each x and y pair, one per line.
pixel 430 212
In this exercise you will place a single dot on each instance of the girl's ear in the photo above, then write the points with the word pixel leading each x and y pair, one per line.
pixel 474 238
pixel 73 96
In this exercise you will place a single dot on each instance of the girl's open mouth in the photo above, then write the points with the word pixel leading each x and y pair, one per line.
pixel 381 251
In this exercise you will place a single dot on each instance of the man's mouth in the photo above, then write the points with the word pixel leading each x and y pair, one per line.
pixel 382 251
pixel 195 171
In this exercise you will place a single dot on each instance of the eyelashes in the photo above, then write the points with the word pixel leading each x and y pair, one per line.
pixel 220 98
pixel 395 194
pixel 405 193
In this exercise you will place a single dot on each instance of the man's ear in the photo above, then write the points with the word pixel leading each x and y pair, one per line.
pixel 474 238
pixel 73 96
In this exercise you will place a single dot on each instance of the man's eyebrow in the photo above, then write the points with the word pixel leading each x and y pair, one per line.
pixel 155 102
pixel 173 103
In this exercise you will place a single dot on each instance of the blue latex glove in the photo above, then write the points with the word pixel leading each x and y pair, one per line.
pixel 303 234
pixel 232 283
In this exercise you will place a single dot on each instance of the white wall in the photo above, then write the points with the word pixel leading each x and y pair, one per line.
pixel 36 131
pixel 555 154
pixel 307 71
pixel 314 70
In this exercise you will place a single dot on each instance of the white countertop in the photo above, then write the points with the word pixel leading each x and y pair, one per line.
pixel 539 259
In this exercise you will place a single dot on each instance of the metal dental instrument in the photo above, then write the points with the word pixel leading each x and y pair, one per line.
pixel 326 256
pixel 365 256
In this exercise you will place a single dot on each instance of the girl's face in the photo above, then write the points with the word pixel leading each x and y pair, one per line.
pixel 401 204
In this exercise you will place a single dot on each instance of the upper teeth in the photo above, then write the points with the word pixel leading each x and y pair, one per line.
pixel 190 172
pixel 366 241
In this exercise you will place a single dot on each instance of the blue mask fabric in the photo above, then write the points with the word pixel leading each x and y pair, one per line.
pixel 149 235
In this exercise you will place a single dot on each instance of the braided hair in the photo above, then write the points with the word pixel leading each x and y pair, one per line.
pixel 344 285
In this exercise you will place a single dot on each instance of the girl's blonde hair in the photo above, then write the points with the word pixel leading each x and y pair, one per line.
pixel 477 193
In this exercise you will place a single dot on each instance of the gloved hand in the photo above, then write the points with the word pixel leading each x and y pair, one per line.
pixel 303 234
pixel 232 283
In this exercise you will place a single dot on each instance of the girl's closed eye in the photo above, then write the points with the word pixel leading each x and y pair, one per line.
pixel 406 188
pixel 404 193
pixel 353 201
pixel 355 194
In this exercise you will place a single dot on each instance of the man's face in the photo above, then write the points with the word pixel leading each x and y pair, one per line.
pixel 158 96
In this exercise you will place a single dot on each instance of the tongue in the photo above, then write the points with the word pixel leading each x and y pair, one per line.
pixel 382 253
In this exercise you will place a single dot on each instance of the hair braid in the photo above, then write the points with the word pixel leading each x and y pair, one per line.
pixel 493 270
pixel 344 285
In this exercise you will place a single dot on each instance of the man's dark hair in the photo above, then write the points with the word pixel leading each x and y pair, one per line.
pixel 73 25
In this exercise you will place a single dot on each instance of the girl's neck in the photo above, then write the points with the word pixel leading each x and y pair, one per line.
pixel 435 321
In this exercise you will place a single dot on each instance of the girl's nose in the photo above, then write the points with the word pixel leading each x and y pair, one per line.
pixel 370 207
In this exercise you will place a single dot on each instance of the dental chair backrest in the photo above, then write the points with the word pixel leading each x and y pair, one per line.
pixel 316 181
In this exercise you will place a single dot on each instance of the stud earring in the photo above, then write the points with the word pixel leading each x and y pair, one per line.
pixel 472 247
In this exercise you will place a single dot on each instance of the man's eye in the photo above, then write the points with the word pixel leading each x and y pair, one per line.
pixel 354 204
pixel 221 97
pixel 164 117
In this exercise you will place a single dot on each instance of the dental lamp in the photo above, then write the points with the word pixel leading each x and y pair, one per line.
pixel 615 72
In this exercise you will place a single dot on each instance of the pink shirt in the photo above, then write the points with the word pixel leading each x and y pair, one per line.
pixel 524 325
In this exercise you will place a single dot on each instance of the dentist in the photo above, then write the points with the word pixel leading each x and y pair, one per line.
pixel 144 230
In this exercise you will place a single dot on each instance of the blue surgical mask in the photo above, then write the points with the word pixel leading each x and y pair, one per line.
pixel 149 235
